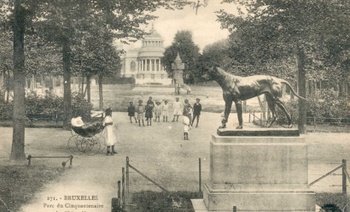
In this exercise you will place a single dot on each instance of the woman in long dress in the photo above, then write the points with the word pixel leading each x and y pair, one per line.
pixel 110 134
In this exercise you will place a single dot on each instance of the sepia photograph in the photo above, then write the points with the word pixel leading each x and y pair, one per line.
pixel 174 105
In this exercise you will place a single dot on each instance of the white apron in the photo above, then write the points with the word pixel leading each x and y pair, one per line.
pixel 110 134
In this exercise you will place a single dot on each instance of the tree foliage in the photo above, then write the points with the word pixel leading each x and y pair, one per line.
pixel 267 31
pixel 314 32
pixel 62 23
pixel 189 53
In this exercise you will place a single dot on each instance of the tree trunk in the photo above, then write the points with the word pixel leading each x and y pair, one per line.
pixel 82 84
pixel 302 90
pixel 7 86
pixel 67 98
pixel 88 88
pixel 100 91
pixel 18 134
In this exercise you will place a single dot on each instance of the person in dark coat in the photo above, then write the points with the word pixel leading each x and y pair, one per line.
pixel 197 108
pixel 149 111
pixel 131 112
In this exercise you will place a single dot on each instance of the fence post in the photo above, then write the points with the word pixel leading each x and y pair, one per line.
pixel 127 180
pixel 123 185
pixel 29 159
pixel 234 209
pixel 200 174
pixel 344 166
pixel 249 116
pixel 119 199
pixel 261 121
pixel 254 116
pixel 71 160
pixel 114 204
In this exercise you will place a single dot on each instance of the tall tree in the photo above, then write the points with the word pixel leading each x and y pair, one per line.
pixel 96 55
pixel 189 54
pixel 18 27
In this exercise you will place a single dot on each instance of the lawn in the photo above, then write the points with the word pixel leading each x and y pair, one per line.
pixel 119 96
pixel 18 183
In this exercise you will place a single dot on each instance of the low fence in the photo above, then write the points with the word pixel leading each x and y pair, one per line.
pixel 70 159
pixel 122 203
pixel 262 119
pixel 345 176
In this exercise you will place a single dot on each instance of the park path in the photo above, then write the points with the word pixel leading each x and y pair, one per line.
pixel 98 175
pixel 160 152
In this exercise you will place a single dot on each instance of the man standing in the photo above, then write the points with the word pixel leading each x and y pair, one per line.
pixel 197 108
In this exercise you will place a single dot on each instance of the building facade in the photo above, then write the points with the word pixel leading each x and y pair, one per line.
pixel 144 64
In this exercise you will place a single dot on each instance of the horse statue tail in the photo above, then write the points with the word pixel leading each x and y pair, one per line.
pixel 291 88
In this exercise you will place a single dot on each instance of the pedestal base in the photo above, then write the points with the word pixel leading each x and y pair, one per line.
pixel 258 173
pixel 224 200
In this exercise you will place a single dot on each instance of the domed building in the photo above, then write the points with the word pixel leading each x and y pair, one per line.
pixel 144 64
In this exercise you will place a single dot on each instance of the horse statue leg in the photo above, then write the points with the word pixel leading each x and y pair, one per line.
pixel 239 110
pixel 228 105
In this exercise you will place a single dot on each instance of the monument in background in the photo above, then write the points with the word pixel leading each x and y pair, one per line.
pixel 178 71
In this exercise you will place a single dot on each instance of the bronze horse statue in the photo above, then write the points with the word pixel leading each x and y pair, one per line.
pixel 237 89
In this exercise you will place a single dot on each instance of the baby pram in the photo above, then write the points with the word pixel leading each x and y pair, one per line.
pixel 89 131
pixel 87 138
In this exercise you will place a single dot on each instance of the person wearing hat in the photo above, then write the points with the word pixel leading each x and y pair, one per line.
pixel 197 108
pixel 157 111
pixel 110 134
pixel 131 112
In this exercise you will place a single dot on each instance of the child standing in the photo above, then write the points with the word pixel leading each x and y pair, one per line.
pixel 131 112
pixel 110 134
pixel 187 110
pixel 157 111
pixel 165 111
pixel 197 108
pixel 187 126
pixel 149 113
pixel 177 109
pixel 140 113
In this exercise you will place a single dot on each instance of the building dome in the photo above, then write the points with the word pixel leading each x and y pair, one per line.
pixel 144 64
pixel 152 45
pixel 154 35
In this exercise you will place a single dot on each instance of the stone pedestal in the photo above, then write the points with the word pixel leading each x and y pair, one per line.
pixel 258 170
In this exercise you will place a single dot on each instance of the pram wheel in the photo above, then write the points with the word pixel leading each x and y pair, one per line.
pixel 87 139
pixel 84 145
pixel 90 146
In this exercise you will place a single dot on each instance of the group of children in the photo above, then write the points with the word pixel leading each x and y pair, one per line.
pixel 147 112
pixel 160 109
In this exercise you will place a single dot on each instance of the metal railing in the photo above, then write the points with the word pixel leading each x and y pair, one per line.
pixel 345 176
pixel 121 203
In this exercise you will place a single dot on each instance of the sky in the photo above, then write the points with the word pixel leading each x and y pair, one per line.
pixel 204 27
